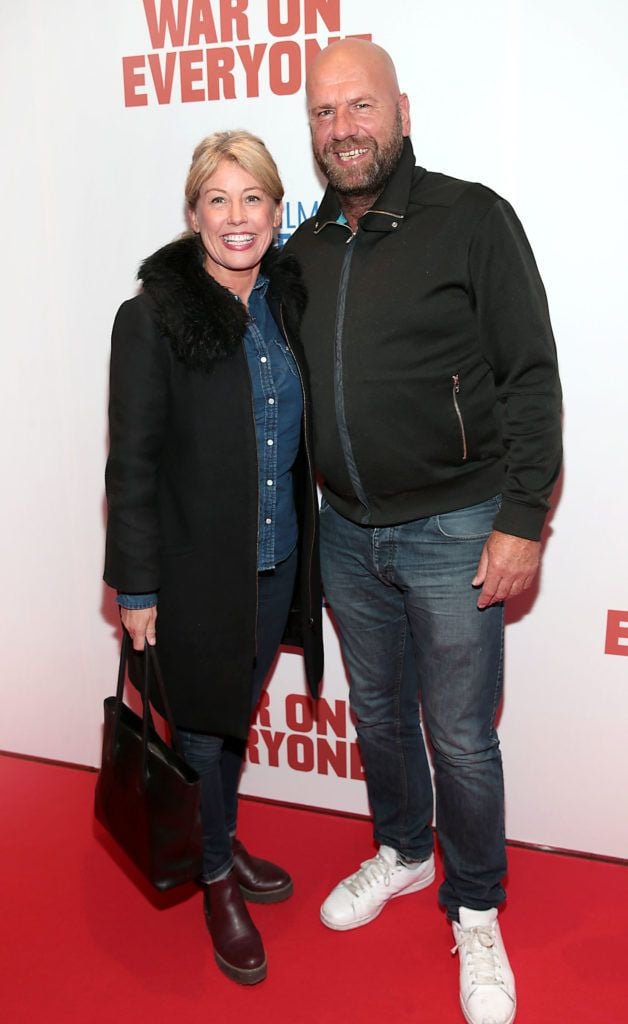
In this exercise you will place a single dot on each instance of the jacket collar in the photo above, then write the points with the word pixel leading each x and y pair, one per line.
pixel 388 210
pixel 184 260
pixel 202 320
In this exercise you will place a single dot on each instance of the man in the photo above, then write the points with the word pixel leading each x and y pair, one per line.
pixel 436 418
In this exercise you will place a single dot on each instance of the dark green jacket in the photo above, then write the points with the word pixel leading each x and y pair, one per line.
pixel 432 361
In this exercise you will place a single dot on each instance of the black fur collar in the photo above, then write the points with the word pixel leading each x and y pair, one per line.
pixel 201 319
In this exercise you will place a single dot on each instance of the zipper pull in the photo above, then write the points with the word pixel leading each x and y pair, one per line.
pixel 456 383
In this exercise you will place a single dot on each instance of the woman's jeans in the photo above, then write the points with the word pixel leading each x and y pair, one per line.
pixel 411 632
pixel 218 759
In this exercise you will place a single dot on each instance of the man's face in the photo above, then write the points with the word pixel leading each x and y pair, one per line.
pixel 358 121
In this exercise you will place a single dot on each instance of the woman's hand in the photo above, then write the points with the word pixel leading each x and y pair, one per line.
pixel 140 624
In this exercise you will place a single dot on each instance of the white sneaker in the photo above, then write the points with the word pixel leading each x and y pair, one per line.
pixel 487 984
pixel 361 897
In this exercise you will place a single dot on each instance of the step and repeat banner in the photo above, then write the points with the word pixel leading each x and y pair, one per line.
pixel 102 106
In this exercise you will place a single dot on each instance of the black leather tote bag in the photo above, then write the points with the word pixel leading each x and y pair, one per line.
pixel 147 797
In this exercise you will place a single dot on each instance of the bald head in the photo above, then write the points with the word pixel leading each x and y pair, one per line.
pixel 348 57
pixel 358 117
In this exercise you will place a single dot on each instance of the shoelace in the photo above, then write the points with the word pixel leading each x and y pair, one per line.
pixel 482 958
pixel 371 872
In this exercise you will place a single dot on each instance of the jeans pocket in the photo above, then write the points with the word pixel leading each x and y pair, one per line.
pixel 472 523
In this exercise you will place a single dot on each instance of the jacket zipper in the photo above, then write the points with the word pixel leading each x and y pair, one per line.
pixel 310 463
pixel 455 380
pixel 387 213
pixel 383 213
pixel 339 394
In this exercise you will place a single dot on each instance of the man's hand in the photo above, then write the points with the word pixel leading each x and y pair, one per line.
pixel 140 625
pixel 506 568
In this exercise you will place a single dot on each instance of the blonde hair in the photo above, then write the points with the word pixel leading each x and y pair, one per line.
pixel 244 149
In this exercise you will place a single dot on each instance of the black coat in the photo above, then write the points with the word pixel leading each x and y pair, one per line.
pixel 182 483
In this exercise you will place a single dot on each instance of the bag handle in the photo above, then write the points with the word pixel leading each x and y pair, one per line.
pixel 151 664
pixel 150 652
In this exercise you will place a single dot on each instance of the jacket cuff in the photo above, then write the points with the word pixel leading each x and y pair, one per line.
pixel 135 602
pixel 520 520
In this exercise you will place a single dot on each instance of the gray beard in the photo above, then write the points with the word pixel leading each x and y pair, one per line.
pixel 385 160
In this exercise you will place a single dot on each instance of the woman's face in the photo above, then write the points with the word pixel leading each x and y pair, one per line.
pixel 236 220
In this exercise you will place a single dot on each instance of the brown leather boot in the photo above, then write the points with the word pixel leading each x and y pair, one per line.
pixel 259 880
pixel 238 947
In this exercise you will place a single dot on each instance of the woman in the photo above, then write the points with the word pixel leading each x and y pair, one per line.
pixel 211 536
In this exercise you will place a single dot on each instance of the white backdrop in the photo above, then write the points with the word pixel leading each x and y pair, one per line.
pixel 524 95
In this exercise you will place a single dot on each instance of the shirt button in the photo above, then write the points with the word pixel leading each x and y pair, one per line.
pixel 271 401
pixel 268 521
pixel 270 442
pixel 269 483
pixel 263 359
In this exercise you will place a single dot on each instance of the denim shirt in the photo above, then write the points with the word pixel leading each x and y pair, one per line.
pixel 278 409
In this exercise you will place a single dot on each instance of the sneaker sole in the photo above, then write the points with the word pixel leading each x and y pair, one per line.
pixel 415 887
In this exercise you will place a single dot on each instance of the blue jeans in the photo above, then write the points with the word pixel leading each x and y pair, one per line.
pixel 218 759
pixel 412 636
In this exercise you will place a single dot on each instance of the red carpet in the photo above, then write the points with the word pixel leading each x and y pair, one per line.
pixel 83 940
